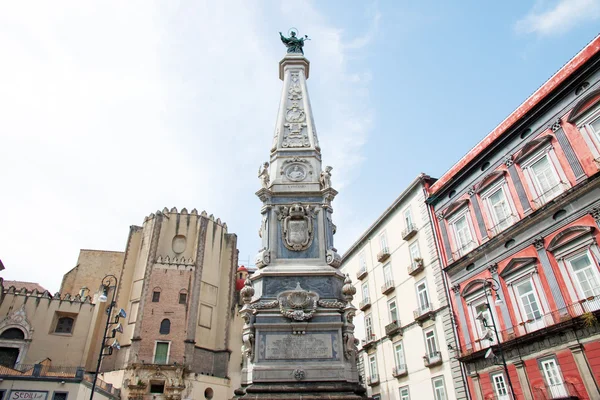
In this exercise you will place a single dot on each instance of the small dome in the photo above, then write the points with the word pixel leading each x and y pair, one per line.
pixel 241 268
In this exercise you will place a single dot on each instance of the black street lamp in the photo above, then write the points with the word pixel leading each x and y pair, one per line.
pixel 106 285
pixel 494 285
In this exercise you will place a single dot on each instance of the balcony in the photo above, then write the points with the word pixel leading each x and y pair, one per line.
pixel 409 231
pixel 431 360
pixel 388 287
pixel 400 371
pixel 373 380
pixel 554 320
pixel 464 249
pixel 364 304
pixel 416 266
pixel 370 342
pixel 383 255
pixel 362 272
pixel 550 194
pixel 393 329
pixel 562 390
pixel 423 313
pixel 502 225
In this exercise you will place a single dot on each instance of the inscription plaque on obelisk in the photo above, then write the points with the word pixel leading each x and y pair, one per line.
pixel 290 347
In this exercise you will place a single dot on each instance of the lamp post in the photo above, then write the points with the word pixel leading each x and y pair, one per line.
pixel 106 285
pixel 493 285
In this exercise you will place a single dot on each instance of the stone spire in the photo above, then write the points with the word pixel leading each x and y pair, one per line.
pixel 298 336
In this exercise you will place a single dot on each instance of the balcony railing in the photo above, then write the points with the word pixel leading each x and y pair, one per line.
pixel 551 193
pixel 393 329
pixel 431 360
pixel 364 304
pixel 400 371
pixel 464 249
pixel 362 272
pixel 369 341
pixel 416 266
pixel 373 380
pixel 563 390
pixel 525 328
pixel 503 224
pixel 388 287
pixel 383 255
pixel 409 231
pixel 423 312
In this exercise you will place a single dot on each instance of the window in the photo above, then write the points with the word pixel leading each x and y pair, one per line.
pixel 399 355
pixel 60 396
pixel 387 273
pixel 431 343
pixel 373 367
pixel 369 328
pixel 551 372
pixel 156 296
pixel 362 261
pixel 590 129
pixel 483 324
pixel 529 304
pixel 383 242
pixel 595 127
pixel 64 325
pixel 404 393
pixel 414 251
pixel 462 234
pixel 9 356
pixel 183 297
pixel 165 327
pixel 585 273
pixel 13 334
pixel 157 386
pixel 499 207
pixel 393 310
pixel 422 296
pixel 439 389
pixel 500 386
pixel 161 353
pixel 408 218
pixel 545 178
pixel 365 292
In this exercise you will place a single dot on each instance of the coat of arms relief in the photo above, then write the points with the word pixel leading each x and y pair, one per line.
pixel 297 227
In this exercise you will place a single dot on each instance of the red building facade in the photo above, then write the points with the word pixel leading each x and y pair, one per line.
pixel 518 227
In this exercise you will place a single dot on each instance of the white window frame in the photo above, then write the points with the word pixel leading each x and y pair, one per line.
pixel 442 392
pixel 540 198
pixel 369 332
pixel 365 290
pixel 460 248
pixel 476 326
pixel 512 281
pixel 373 366
pixel 433 340
pixel 550 370
pixel 383 242
pixel 156 342
pixel 423 307
pixel 388 276
pixel 362 260
pixel 392 320
pixel 591 137
pixel 492 217
pixel 408 219
pixel 414 255
pixel 500 386
pixel 404 392
pixel 399 356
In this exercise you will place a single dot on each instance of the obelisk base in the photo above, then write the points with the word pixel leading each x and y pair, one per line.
pixel 302 391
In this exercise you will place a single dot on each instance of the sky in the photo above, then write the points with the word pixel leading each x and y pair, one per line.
pixel 112 110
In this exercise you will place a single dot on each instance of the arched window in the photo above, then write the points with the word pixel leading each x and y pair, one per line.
pixel 64 325
pixel 13 333
pixel 165 327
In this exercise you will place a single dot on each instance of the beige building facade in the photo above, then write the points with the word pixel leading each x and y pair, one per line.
pixel 404 322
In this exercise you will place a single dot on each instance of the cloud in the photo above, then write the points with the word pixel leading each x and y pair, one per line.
pixel 565 15
pixel 112 111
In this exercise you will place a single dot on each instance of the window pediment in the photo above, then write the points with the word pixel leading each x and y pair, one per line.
pixel 454 207
pixel 517 264
pixel 488 180
pixel 473 287
pixel 532 147
pixel 584 105
pixel 569 235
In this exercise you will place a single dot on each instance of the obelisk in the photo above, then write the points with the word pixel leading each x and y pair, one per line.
pixel 298 334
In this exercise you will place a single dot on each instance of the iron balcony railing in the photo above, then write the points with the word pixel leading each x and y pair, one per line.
pixel 373 380
pixel 409 231
pixel 562 390
pixel 464 249
pixel 399 371
pixel 550 194
pixel 369 341
pixel 383 255
pixel 423 312
pixel 393 328
pixel 503 224
pixel 388 286
pixel 364 304
pixel 362 272
pixel 574 310
pixel 416 266
pixel 433 359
